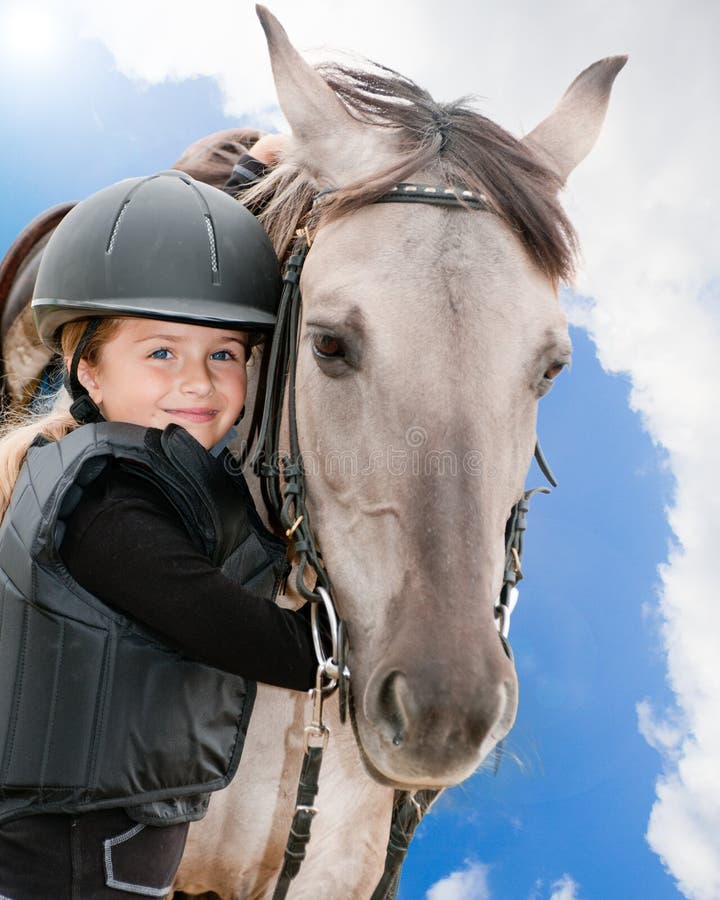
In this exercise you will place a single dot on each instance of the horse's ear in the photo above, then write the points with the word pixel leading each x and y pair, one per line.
pixel 569 133
pixel 327 139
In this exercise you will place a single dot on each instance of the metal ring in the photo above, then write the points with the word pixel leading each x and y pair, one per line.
pixel 329 666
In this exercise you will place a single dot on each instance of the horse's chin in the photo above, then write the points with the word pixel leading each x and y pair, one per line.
pixel 410 781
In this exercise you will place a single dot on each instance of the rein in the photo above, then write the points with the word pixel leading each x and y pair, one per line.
pixel 288 506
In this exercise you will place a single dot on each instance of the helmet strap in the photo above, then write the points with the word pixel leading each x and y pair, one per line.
pixel 83 409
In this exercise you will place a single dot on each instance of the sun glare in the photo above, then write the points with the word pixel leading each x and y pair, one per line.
pixel 28 35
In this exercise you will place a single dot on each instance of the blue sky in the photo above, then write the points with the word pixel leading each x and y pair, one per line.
pixel 599 628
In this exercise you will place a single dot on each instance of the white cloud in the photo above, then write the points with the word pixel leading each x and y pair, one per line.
pixel 158 40
pixel 664 734
pixel 468 884
pixel 651 241
pixel 646 206
pixel 564 889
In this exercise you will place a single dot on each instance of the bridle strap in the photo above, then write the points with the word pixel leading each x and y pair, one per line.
pixel 288 505
pixel 435 195
pixel 514 541
pixel 544 465
pixel 409 807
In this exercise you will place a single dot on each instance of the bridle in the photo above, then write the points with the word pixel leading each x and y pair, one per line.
pixel 288 505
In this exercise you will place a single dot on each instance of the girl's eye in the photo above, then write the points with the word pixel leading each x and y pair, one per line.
pixel 328 347
pixel 223 355
pixel 161 353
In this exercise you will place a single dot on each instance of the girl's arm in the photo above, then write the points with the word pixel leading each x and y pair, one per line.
pixel 126 545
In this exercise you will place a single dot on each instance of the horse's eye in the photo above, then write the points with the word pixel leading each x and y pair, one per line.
pixel 328 347
pixel 554 370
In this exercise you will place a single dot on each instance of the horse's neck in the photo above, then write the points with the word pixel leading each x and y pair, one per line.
pixel 237 851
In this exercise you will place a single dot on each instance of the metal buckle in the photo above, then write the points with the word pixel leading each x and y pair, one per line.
pixel 305 232
pixel 316 733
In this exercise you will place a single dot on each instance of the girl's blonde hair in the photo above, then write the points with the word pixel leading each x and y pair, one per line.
pixel 21 429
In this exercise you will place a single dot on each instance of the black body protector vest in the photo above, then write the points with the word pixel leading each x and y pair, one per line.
pixel 95 710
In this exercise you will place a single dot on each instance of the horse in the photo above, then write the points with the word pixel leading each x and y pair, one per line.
pixel 429 334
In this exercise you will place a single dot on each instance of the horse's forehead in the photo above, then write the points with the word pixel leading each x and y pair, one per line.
pixel 435 260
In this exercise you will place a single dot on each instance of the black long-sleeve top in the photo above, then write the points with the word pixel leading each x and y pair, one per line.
pixel 126 545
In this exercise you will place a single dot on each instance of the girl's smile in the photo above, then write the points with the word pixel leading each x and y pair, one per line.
pixel 194 415
pixel 154 373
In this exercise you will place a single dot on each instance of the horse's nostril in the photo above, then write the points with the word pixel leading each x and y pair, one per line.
pixel 395 706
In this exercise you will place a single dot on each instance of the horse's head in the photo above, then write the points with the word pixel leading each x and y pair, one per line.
pixel 429 334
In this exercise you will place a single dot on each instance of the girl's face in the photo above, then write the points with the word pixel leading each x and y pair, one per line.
pixel 152 373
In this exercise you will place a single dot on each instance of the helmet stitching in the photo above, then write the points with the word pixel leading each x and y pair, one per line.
pixel 213 244
pixel 116 226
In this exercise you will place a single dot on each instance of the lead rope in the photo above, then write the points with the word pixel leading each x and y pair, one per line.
pixel 316 738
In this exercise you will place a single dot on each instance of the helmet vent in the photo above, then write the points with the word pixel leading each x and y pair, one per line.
pixel 116 227
pixel 213 248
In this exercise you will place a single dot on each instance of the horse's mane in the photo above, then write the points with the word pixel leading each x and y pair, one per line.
pixel 463 146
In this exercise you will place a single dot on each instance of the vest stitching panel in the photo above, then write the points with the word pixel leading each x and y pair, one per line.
pixel 53 705
pixel 19 674
pixel 94 448
pixel 101 702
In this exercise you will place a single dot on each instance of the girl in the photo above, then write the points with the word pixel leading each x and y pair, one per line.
pixel 135 571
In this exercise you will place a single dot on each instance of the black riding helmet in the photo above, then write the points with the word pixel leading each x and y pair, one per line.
pixel 160 247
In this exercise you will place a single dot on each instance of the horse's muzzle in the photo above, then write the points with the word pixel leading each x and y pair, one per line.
pixel 424 725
